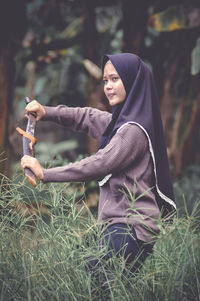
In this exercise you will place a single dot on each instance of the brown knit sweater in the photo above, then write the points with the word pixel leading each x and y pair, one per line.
pixel 128 195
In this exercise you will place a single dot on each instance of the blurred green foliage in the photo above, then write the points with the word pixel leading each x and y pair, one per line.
pixel 54 48
pixel 195 65
pixel 176 18
pixel 187 190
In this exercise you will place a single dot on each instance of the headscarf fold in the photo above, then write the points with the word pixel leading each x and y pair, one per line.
pixel 141 107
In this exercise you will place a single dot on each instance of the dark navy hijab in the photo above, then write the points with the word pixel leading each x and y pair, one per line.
pixel 141 107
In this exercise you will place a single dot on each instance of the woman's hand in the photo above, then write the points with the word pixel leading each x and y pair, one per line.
pixel 34 165
pixel 35 107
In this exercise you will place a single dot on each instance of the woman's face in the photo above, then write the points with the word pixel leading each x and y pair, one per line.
pixel 113 85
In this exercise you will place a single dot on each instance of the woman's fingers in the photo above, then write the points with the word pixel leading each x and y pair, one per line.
pixel 34 165
pixel 27 161
pixel 35 107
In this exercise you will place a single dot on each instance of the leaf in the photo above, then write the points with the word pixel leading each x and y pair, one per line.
pixel 51 152
pixel 93 69
pixel 39 85
pixel 195 58
pixel 73 29
pixel 175 18
pixel 53 149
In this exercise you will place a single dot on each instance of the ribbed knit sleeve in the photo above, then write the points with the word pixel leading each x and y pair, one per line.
pixel 88 120
pixel 129 144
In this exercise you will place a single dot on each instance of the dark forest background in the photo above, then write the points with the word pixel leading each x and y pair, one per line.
pixel 51 50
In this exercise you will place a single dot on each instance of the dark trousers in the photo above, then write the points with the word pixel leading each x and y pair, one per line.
pixel 121 240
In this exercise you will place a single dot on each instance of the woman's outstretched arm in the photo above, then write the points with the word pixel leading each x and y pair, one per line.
pixel 116 156
pixel 88 120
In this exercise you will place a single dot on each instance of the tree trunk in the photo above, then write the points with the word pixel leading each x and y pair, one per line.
pixel 134 25
pixel 12 25
pixel 180 102
pixel 94 91
pixel 183 149
pixel 5 59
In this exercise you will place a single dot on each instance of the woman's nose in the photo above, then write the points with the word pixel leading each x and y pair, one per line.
pixel 109 85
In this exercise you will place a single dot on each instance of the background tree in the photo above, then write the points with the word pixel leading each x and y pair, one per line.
pixel 135 15
pixel 12 26
pixel 176 69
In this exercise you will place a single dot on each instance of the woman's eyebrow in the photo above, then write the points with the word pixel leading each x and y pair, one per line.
pixel 112 74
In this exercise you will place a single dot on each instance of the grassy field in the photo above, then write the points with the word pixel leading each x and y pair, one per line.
pixel 44 250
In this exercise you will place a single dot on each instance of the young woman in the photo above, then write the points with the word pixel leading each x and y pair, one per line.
pixel 131 159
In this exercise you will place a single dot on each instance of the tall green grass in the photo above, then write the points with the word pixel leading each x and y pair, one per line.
pixel 43 257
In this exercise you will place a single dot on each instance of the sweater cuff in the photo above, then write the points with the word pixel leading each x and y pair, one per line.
pixel 47 176
pixel 50 113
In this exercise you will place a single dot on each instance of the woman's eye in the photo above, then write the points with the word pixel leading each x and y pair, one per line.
pixel 115 78
pixel 105 81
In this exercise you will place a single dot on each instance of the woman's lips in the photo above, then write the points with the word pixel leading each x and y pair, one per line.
pixel 110 95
